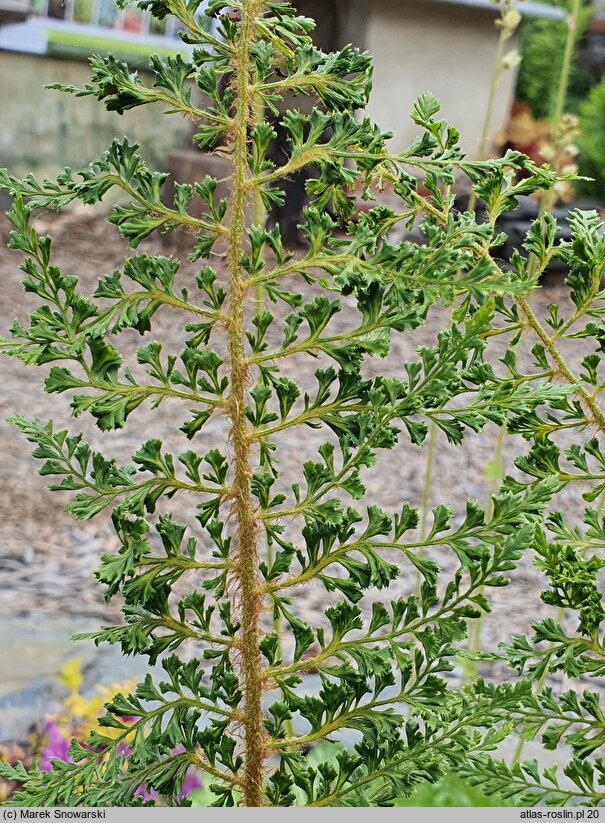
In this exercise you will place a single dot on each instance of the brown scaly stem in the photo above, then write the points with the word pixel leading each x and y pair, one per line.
pixel 246 538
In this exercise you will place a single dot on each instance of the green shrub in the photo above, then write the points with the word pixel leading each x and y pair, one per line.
pixel 542 44
pixel 591 142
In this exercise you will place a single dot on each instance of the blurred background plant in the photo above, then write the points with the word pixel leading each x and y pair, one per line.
pixel 75 718
pixel 591 141
pixel 542 47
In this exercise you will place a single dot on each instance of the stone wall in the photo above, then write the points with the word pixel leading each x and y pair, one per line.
pixel 42 131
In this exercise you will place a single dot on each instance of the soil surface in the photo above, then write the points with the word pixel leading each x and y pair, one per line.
pixel 47 559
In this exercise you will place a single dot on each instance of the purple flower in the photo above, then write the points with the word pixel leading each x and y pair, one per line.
pixel 56 747
pixel 146 794
pixel 190 783
pixel 123 748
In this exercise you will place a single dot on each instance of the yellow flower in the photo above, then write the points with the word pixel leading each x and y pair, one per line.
pixel 71 674
pixel 81 715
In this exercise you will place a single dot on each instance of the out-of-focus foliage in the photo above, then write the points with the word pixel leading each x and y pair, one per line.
pixel 591 141
pixel 542 44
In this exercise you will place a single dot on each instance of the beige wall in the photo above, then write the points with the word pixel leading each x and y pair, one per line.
pixel 416 45
pixel 421 46
pixel 42 131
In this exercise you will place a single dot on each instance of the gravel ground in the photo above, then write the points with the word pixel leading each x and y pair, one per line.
pixel 47 559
